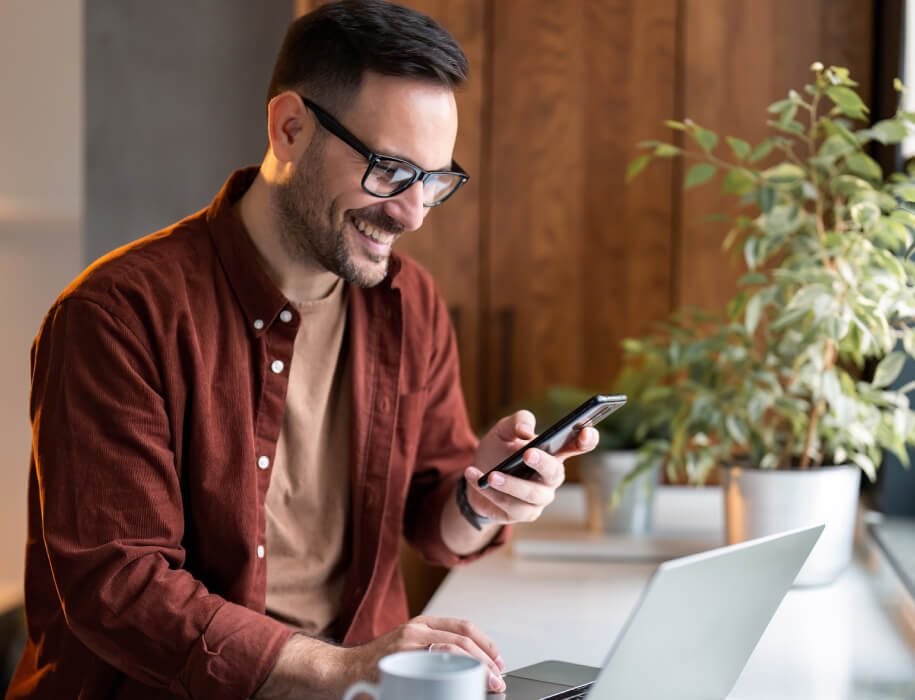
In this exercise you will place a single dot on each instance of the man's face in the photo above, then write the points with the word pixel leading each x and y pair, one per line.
pixel 325 214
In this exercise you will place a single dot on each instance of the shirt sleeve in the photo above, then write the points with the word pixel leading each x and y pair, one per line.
pixel 447 446
pixel 113 519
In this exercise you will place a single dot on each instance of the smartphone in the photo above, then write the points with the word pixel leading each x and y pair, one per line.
pixel 554 438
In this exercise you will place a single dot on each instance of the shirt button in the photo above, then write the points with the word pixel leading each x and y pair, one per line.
pixel 258 323
pixel 277 366
pixel 285 315
pixel 260 551
pixel 263 462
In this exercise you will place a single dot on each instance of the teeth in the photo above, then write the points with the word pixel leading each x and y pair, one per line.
pixel 373 233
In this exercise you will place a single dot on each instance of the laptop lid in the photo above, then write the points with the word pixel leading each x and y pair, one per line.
pixel 699 619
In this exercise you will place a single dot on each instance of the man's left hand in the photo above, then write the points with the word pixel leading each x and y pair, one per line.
pixel 509 498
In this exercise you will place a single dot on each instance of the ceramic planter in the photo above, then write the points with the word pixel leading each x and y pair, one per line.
pixel 760 502
pixel 601 472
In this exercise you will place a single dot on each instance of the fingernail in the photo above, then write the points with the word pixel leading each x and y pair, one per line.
pixel 497 479
pixel 474 473
pixel 533 457
pixel 500 662
pixel 496 684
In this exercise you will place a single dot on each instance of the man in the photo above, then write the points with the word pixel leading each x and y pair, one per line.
pixel 235 419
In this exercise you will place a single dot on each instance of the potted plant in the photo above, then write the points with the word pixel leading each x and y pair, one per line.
pixel 774 392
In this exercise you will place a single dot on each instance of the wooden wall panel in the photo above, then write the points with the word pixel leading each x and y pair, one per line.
pixel 576 260
pixel 739 56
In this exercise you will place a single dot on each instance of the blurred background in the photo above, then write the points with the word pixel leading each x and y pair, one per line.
pixel 121 116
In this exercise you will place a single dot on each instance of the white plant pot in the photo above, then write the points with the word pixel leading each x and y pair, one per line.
pixel 759 502
pixel 601 472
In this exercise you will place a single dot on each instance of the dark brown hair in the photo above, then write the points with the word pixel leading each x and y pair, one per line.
pixel 327 51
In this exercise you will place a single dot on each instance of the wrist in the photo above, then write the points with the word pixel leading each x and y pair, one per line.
pixel 305 665
pixel 476 520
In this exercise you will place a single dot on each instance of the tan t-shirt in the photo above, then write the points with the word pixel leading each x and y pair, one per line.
pixel 308 501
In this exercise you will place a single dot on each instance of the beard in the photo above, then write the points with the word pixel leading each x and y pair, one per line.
pixel 306 221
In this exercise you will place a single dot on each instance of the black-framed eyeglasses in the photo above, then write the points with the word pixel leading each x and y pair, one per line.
pixel 387 176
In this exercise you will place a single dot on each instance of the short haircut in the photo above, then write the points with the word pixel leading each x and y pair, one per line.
pixel 327 51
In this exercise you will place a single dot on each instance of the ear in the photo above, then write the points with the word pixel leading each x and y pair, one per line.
pixel 290 127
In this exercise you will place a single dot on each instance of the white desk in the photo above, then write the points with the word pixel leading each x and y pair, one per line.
pixel 846 641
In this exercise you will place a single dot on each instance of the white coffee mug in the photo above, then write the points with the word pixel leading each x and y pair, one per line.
pixel 425 675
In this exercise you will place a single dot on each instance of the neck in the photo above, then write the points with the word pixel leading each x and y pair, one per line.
pixel 298 279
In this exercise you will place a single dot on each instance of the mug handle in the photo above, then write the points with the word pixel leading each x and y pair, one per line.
pixel 361 687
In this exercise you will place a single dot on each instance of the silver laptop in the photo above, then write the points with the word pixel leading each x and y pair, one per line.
pixel 689 637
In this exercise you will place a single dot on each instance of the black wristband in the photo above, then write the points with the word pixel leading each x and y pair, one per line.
pixel 472 517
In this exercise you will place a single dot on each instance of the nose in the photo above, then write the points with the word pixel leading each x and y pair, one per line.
pixel 407 207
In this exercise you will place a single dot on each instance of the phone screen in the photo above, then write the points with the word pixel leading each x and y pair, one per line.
pixel 554 438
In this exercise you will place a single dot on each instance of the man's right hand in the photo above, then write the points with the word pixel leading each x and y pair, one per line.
pixel 310 668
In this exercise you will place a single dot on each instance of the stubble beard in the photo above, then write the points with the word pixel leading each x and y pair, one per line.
pixel 307 238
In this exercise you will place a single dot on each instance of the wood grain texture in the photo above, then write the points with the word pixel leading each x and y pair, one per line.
pixel 580 259
pixel 739 56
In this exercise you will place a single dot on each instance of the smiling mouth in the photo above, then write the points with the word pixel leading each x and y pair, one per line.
pixel 378 239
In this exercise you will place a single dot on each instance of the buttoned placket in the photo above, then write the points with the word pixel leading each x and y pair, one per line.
pixel 276 347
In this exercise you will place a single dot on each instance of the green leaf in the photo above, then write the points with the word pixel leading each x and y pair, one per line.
pixel 866 464
pixel 753 278
pixel 766 199
pixel 705 138
pixel 834 146
pixel 848 101
pixel 784 173
pixel 736 428
pixel 740 147
pixel 679 126
pixel 699 174
pixel 739 181
pixel 751 252
pixel 865 214
pixel 778 107
pixel 888 369
pixel 889 131
pixel 836 327
pixel 636 166
pixel 762 150
pixel 863 165
pixel 736 305
pixel 833 126
pixel 753 311
pixel 666 150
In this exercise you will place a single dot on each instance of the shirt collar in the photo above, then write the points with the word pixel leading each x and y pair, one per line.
pixel 260 299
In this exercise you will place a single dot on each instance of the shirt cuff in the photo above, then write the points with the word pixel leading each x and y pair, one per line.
pixel 234 654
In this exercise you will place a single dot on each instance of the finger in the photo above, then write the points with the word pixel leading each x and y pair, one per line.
pixel 450 634
pixel 550 470
pixel 454 644
pixel 479 501
pixel 518 425
pixel 585 441
pixel 526 502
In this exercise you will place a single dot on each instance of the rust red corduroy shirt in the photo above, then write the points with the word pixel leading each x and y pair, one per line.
pixel 158 381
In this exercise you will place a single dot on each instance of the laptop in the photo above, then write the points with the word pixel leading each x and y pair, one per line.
pixel 689 637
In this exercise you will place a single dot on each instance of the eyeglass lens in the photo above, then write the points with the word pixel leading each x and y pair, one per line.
pixel 390 176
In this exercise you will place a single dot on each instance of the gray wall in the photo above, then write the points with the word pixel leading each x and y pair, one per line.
pixel 174 103
pixel 41 195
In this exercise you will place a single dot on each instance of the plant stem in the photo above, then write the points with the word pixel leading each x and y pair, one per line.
pixel 829 362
